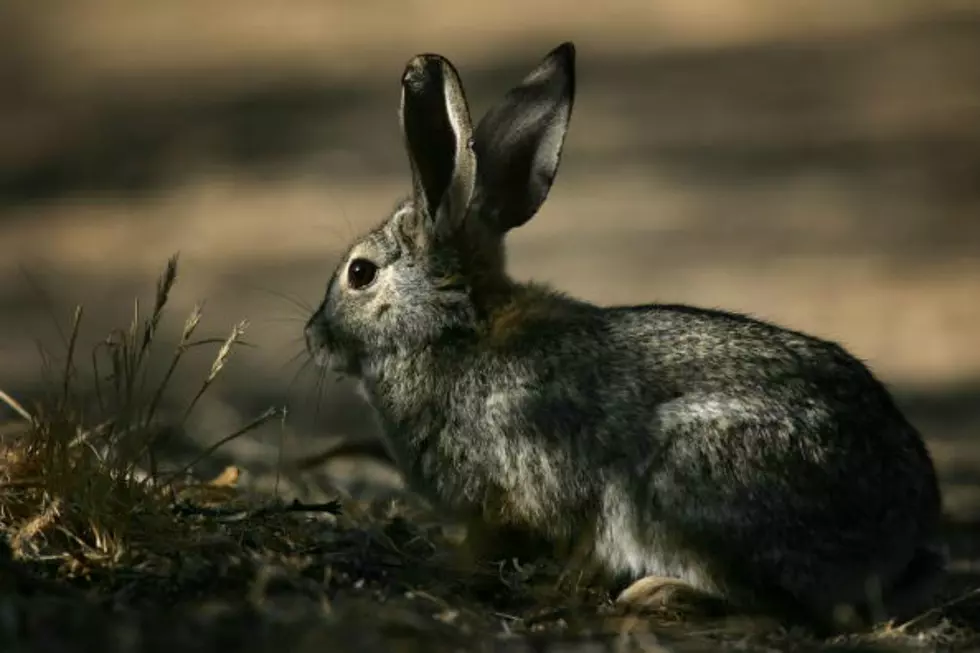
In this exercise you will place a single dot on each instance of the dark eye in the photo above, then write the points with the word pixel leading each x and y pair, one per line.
pixel 361 273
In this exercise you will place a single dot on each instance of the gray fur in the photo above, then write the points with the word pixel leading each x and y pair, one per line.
pixel 756 463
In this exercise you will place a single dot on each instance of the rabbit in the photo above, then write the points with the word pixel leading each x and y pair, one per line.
pixel 696 447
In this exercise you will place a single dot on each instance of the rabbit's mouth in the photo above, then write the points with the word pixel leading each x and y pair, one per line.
pixel 335 361
pixel 326 355
pixel 321 358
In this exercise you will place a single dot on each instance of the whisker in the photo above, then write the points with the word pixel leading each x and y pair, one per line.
pixel 350 227
pixel 343 216
pixel 320 383
pixel 340 240
pixel 294 301
pixel 305 307
pixel 288 319
pixel 285 348
pixel 304 367
pixel 295 357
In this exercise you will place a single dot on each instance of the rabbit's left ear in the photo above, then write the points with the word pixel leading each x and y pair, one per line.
pixel 435 121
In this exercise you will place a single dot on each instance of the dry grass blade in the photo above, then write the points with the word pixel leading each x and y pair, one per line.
pixel 73 484
pixel 15 406
pixel 29 530
pixel 164 286
pixel 70 358
pixel 219 363
pixel 225 351
pixel 189 327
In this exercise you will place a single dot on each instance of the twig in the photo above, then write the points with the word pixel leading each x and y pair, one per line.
pixel 546 616
pixel 966 596
pixel 186 508
pixel 254 424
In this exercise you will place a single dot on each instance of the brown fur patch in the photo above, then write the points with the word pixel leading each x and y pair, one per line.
pixel 523 306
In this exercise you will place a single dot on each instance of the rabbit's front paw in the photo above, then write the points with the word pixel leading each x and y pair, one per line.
pixel 659 593
pixel 579 568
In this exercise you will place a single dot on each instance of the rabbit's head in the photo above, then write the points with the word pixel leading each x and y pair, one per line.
pixel 435 266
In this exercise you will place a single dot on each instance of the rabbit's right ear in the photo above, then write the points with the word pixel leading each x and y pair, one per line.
pixel 518 143
pixel 435 121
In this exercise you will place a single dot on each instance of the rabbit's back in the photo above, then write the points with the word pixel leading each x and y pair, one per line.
pixel 702 348
pixel 776 408
pixel 765 451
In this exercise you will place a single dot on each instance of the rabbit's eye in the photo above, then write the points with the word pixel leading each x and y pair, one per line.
pixel 361 273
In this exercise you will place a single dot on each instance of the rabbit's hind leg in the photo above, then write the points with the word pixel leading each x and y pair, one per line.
pixel 661 593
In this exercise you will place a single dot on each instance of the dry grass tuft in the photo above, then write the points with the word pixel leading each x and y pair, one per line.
pixel 79 478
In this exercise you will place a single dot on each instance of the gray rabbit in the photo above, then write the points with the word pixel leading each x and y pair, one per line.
pixel 698 448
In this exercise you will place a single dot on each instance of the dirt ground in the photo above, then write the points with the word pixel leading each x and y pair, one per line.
pixel 816 164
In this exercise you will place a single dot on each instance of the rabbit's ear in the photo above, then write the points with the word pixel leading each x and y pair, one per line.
pixel 435 121
pixel 518 143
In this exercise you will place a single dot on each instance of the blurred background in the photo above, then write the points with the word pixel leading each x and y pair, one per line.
pixel 812 163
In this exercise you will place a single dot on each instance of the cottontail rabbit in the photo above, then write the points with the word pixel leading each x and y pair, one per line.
pixel 748 462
